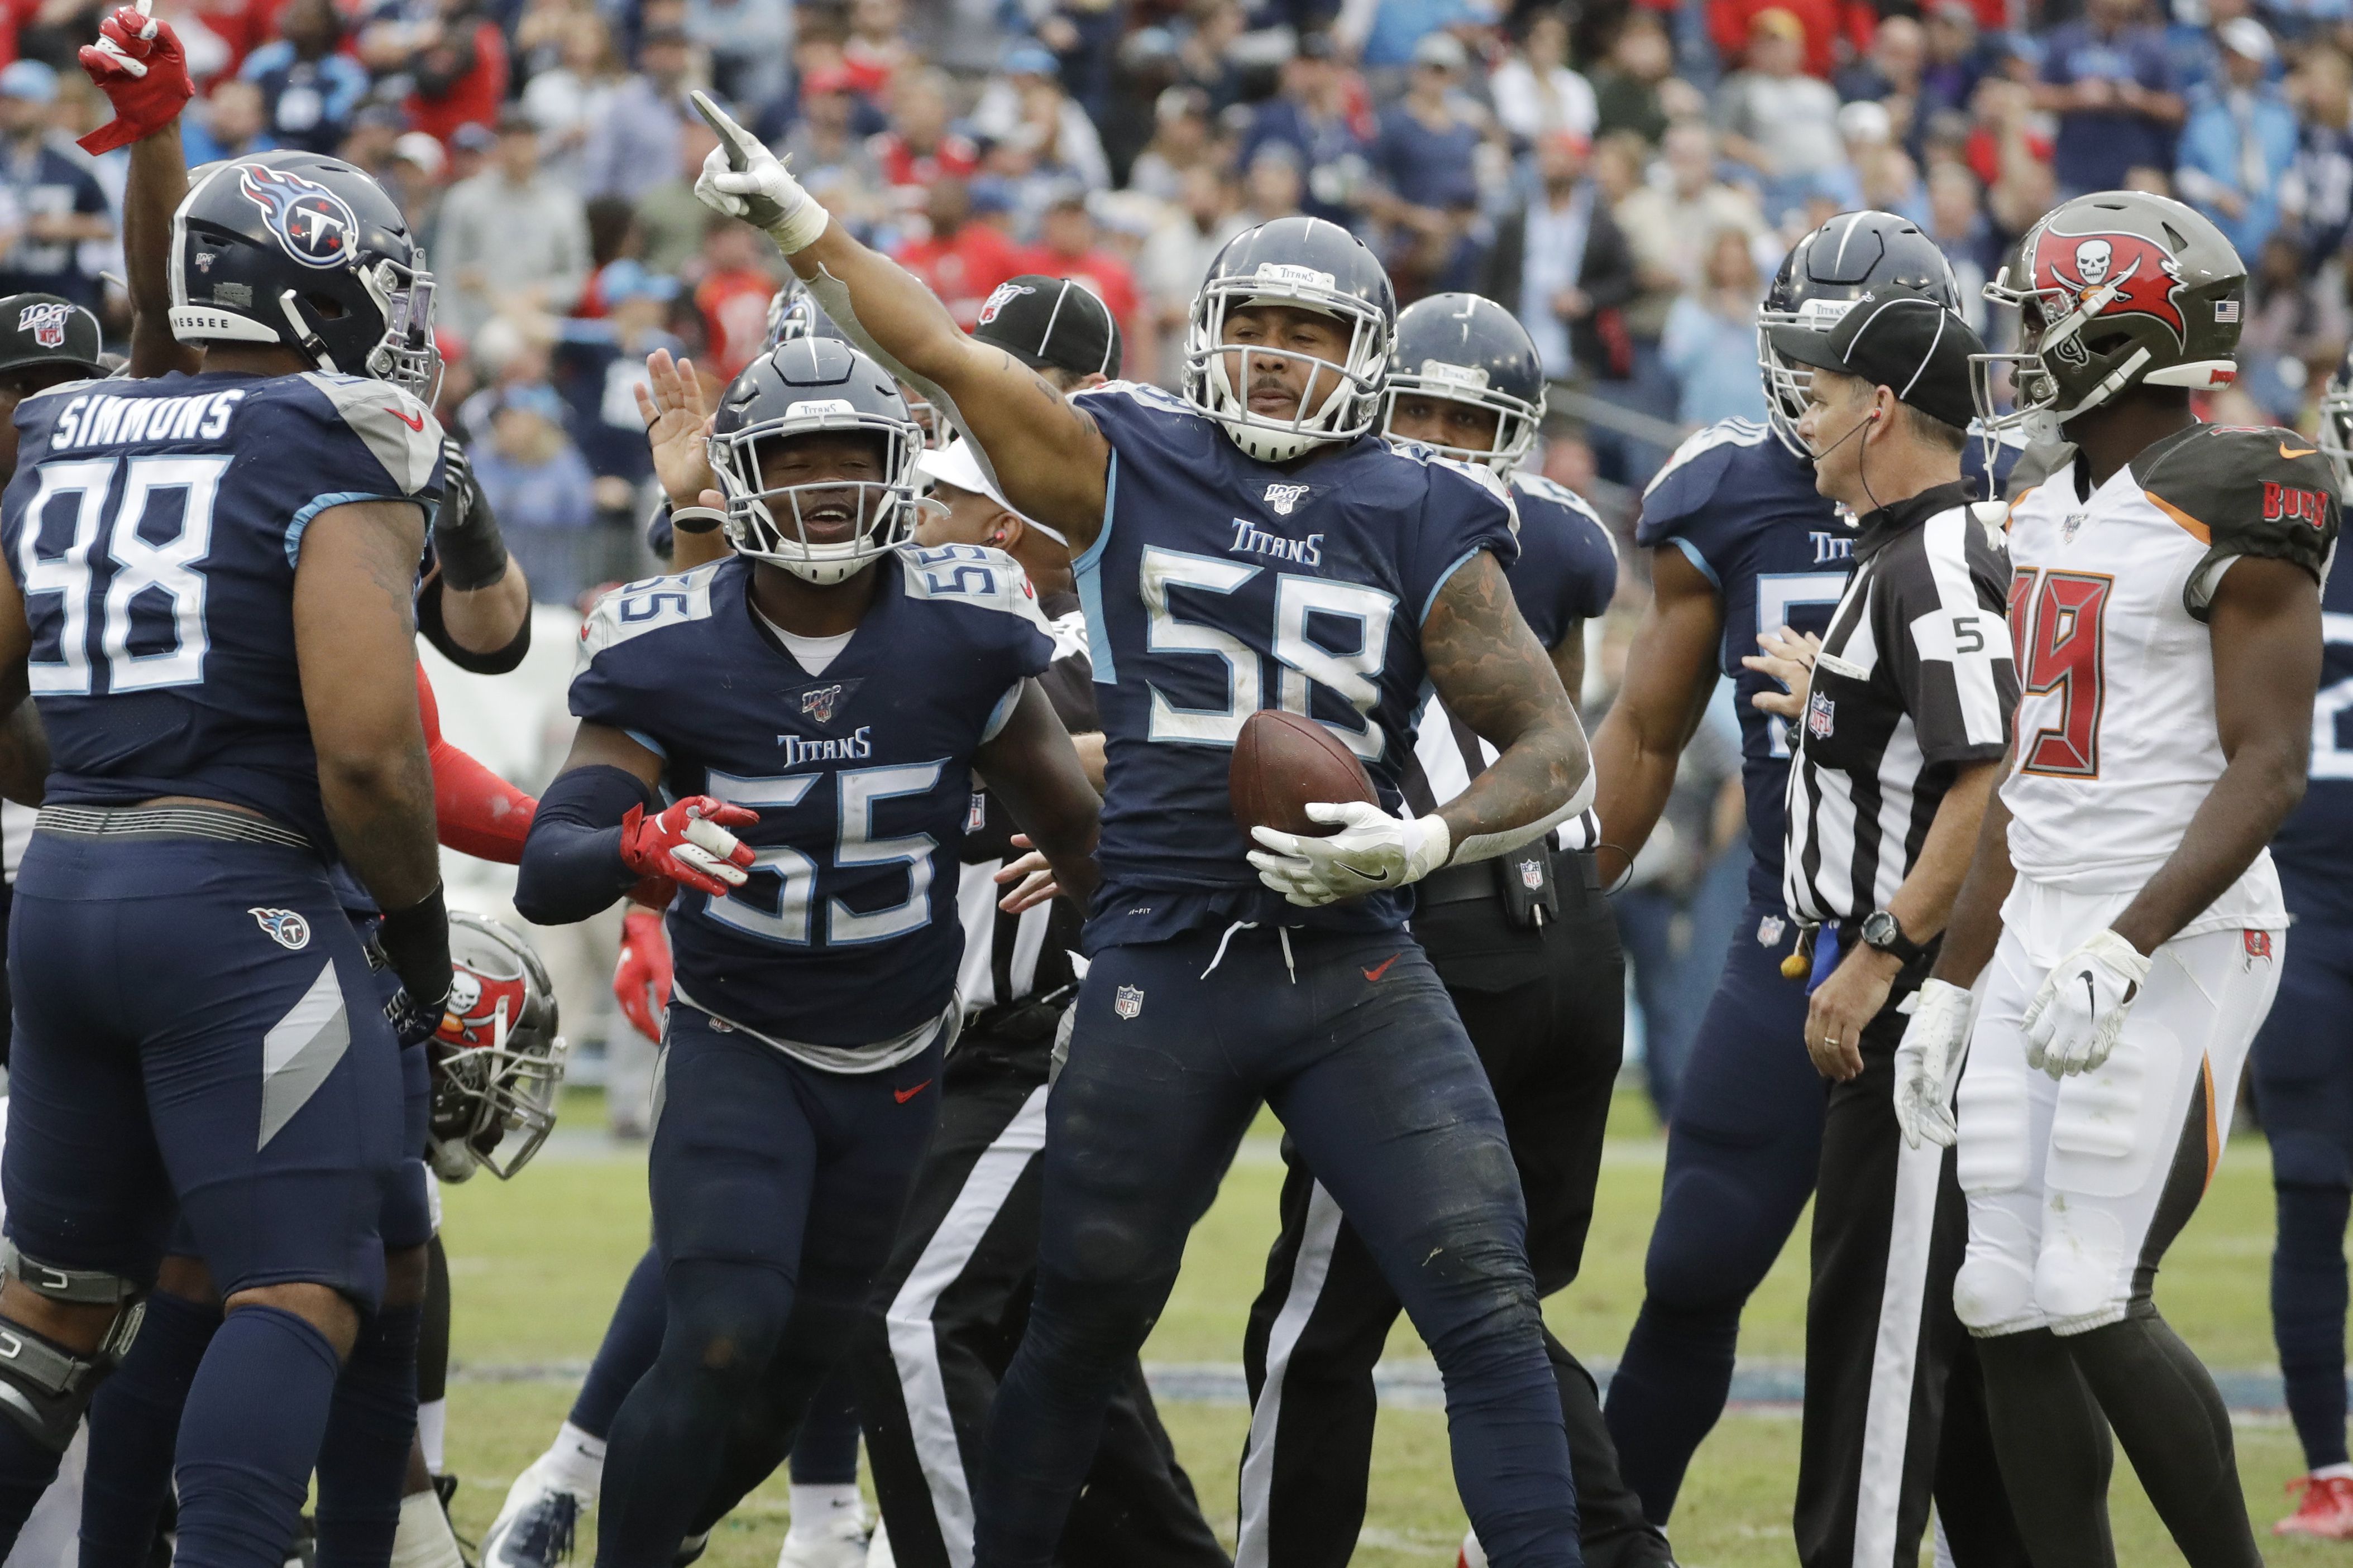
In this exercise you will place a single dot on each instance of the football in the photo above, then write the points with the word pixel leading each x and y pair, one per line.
pixel 1283 763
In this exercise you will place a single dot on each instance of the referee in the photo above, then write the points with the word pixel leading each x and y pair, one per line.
pixel 1899 737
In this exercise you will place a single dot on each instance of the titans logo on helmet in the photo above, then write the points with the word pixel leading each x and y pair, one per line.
pixel 311 223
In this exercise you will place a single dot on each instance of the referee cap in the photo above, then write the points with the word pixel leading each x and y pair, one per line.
pixel 1898 338
pixel 956 464
pixel 1055 321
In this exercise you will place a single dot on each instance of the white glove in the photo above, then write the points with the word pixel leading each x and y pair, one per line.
pixel 1372 851
pixel 2075 1019
pixel 1929 1061
pixel 742 179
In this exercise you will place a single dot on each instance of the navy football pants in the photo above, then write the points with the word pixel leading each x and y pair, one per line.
pixel 1360 1051
pixel 2303 1094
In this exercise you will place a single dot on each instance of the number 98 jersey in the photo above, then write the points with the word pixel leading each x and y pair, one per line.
pixel 153 528
pixel 2116 739
pixel 1220 585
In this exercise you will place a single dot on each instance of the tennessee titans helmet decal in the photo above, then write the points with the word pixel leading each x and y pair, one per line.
pixel 314 224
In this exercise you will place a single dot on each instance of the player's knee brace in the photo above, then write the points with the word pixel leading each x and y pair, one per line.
pixel 44 1387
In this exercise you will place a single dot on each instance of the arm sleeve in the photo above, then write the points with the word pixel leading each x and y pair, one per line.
pixel 1938 612
pixel 479 813
pixel 571 866
pixel 499 661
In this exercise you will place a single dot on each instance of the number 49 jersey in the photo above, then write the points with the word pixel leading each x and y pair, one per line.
pixel 842 948
pixel 2116 737
pixel 1220 585
pixel 153 528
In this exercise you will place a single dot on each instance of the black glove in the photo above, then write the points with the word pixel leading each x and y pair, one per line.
pixel 416 942
pixel 465 534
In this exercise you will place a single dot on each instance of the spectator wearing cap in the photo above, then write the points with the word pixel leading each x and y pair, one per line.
pixel 543 492
pixel 1775 118
pixel 1535 90
pixel 597 365
pixel 511 239
pixel 1069 248
pixel 1056 326
pixel 1180 143
pixel 1310 116
pixel 1563 265
pixel 309 88
pixel 2109 78
pixel 1427 165
pixel 1827 29
pixel 637 138
pixel 959 259
pixel 1026 107
pixel 2241 141
pixel 233 122
pixel 58 202
pixel 1382 33
pixel 2317 193
pixel 413 177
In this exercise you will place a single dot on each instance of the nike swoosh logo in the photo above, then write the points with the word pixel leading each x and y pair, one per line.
pixel 904 1095
pixel 1374 975
pixel 414 421
pixel 2091 998
pixel 2298 452
pixel 1380 881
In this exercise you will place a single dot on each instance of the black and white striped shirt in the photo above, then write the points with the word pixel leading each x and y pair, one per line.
pixel 1914 681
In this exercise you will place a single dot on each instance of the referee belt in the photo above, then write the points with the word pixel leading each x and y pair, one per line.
pixel 1475 882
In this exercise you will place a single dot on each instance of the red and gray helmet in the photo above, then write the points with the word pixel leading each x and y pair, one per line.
pixel 2116 290
pixel 498 1058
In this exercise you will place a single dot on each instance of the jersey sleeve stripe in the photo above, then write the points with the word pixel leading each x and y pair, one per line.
pixel 302 519
pixel 1445 577
pixel 1699 562
pixel 1092 556
pixel 2189 525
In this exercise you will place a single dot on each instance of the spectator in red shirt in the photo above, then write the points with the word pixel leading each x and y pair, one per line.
pixel 875 52
pixel 1827 23
pixel 460 72
pixel 961 261
pixel 1069 247
pixel 919 148
pixel 733 294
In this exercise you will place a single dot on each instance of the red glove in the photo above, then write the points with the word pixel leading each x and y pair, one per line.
pixel 641 980
pixel 690 843
pixel 138 63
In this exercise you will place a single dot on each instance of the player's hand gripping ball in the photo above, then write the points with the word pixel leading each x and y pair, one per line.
pixel 688 843
pixel 1307 802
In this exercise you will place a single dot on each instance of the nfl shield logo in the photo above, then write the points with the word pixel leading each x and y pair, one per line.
pixel 819 704
pixel 2067 529
pixel 1128 1001
pixel 1284 497
pixel 46 323
pixel 1769 929
pixel 1821 713
pixel 1531 874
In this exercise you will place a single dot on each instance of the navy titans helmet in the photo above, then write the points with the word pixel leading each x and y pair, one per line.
pixel 306 252
pixel 804 387
pixel 1469 349
pixel 793 315
pixel 1820 280
pixel 1306 264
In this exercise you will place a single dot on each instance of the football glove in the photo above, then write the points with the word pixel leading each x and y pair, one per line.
pixel 1929 1063
pixel 742 179
pixel 688 843
pixel 138 63
pixel 2075 1020
pixel 466 538
pixel 641 980
pixel 1372 852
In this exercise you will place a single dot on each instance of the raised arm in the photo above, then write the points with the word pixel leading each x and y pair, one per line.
pixel 1048 456
pixel 158 184
pixel 1671 672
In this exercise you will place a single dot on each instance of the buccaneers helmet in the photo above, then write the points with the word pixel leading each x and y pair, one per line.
pixel 1820 280
pixel 2116 290
pixel 1470 349
pixel 497 1059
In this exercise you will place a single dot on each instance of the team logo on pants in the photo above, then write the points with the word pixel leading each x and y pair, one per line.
pixel 2258 944
pixel 1128 1001
pixel 287 929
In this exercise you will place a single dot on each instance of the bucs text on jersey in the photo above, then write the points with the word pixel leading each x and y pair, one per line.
pixel 842 947
pixel 1213 592
pixel 2116 744
pixel 154 527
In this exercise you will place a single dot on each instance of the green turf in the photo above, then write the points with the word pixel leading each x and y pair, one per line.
pixel 537 1263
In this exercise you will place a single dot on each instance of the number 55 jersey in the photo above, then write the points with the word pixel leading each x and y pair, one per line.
pixel 2116 745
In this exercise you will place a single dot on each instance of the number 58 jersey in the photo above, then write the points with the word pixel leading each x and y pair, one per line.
pixel 2116 739
pixel 153 528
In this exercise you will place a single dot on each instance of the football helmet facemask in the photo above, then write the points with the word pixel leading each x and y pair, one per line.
pixel 498 1060
pixel 1468 349
pixel 1820 280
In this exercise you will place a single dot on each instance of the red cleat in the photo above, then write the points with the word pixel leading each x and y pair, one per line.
pixel 2325 1511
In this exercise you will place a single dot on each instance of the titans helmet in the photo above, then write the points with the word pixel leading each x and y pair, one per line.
pixel 306 252
pixel 498 1060
pixel 1820 280
pixel 802 388
pixel 793 315
pixel 1306 264
pixel 1468 349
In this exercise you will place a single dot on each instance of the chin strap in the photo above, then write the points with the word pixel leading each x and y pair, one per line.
pixel 311 343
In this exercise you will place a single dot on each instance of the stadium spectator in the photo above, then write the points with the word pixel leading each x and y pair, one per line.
pixel 1180 143
pixel 542 490
pixel 1564 267
pixel 1310 116
pixel 1428 163
pixel 413 174
pixel 510 240
pixel 1710 341
pixel 1204 51
pixel 2295 335
pixel 1661 216
pixel 1068 247
pixel 876 49
pixel 2240 141
pixel 1383 34
pixel 670 221
pixel 1776 119
pixel 828 156
pixel 597 367
pixel 1632 88
pixel 1890 74
pixel 960 260
pixel 1535 90
pixel 1825 27
pixel 1177 256
pixel 234 123
pixel 2110 81
pixel 1027 109
pixel 58 203
pixel 2318 192
pixel 748 42
pixel 309 88
pixel 732 294
pixel 569 96
pixel 1959 225
pixel 635 141
pixel 1948 77
pixel 458 73
pixel 920 147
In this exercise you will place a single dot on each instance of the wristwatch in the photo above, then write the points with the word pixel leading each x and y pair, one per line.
pixel 1882 931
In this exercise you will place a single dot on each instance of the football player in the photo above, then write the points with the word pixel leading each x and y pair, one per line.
pixel 2304 1065
pixel 1248 544
pixel 828 693
pixel 231 708
pixel 1742 545
pixel 2122 921
pixel 1527 949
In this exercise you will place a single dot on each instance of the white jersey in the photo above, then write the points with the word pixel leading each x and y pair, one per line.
pixel 2116 740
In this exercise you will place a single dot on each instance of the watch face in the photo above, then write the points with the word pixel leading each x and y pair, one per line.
pixel 1879 928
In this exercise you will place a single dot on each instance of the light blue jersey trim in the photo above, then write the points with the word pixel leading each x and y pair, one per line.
pixel 321 503
pixel 1087 570
pixel 1002 715
pixel 648 742
pixel 1691 554
pixel 1448 576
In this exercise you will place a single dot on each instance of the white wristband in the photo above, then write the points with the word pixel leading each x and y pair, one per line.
pixel 802 228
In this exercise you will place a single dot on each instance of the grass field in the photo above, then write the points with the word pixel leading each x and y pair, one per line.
pixel 536 1264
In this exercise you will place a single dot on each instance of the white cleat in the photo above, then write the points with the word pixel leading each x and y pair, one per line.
pixel 838 1542
pixel 536 1525
pixel 1473 1554
pixel 878 1550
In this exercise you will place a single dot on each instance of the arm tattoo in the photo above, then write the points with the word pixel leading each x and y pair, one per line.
pixel 1495 676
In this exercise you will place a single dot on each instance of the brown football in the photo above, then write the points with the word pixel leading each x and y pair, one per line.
pixel 1283 763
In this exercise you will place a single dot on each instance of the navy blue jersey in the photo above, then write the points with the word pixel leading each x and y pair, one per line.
pixel 1221 586
pixel 1567 569
pixel 2314 849
pixel 847 935
pixel 153 528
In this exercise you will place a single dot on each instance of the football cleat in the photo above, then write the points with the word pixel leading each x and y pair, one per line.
pixel 878 1550
pixel 836 1543
pixel 691 1550
pixel 2324 1511
pixel 1473 1554
pixel 536 1525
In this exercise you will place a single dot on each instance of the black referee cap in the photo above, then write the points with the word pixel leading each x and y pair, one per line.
pixel 43 329
pixel 1898 338
pixel 1056 321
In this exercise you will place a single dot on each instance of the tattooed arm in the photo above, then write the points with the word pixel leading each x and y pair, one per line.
pixel 1495 676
